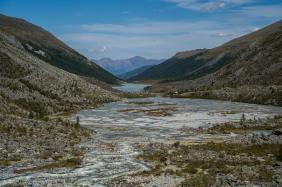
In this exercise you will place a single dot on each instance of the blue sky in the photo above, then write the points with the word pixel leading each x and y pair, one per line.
pixel 149 28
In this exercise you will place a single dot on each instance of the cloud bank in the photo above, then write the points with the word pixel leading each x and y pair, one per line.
pixel 162 39
pixel 208 5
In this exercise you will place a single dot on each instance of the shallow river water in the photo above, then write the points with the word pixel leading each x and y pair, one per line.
pixel 119 126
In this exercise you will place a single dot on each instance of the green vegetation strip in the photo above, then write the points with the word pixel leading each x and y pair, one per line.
pixel 69 163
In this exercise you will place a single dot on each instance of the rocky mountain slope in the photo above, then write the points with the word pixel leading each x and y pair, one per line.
pixel 134 73
pixel 197 63
pixel 118 67
pixel 30 86
pixel 35 96
pixel 48 48
pixel 246 69
pixel 172 68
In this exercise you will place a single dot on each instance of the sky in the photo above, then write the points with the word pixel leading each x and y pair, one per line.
pixel 121 29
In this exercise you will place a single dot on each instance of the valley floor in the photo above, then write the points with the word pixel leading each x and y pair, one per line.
pixel 248 153
pixel 147 142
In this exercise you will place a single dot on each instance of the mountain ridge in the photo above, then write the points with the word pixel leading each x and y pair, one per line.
pixel 47 47
pixel 247 69
pixel 32 86
pixel 128 75
pixel 121 66
pixel 35 100
pixel 196 63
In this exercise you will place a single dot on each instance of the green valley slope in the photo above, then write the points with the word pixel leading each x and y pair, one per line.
pixel 246 69
pixel 133 73
pixel 48 48
pixel 197 63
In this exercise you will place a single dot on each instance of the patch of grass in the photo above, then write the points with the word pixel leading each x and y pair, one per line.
pixel 156 157
pixel 128 110
pixel 246 125
pixel 158 112
pixel 135 94
pixel 15 130
pixel 69 163
pixel 10 69
pixel 235 149
pixel 202 171
pixel 176 144
pixel 15 157
pixel 228 112
pixel 279 155
pixel 278 116
pixel 39 108
pixel 265 174
pixel 155 171
pixel 200 180
pixel 61 115
pixel 141 103
pixel 41 91
pixel 5 162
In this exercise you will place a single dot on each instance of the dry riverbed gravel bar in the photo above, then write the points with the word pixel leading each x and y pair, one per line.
pixel 200 143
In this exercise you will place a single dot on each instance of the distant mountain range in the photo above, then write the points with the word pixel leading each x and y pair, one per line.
pixel 249 66
pixel 133 73
pixel 118 67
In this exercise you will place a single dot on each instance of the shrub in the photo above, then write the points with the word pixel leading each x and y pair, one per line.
pixel 176 144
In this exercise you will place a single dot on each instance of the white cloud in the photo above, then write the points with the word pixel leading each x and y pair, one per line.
pixel 150 39
pixel 149 27
pixel 270 11
pixel 208 5
pixel 221 34
pixel 102 49
pixel 162 39
pixel 255 29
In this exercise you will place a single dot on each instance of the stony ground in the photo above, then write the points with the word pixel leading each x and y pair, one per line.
pixel 40 144
pixel 31 93
pixel 247 69
pixel 252 158
pixel 54 152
